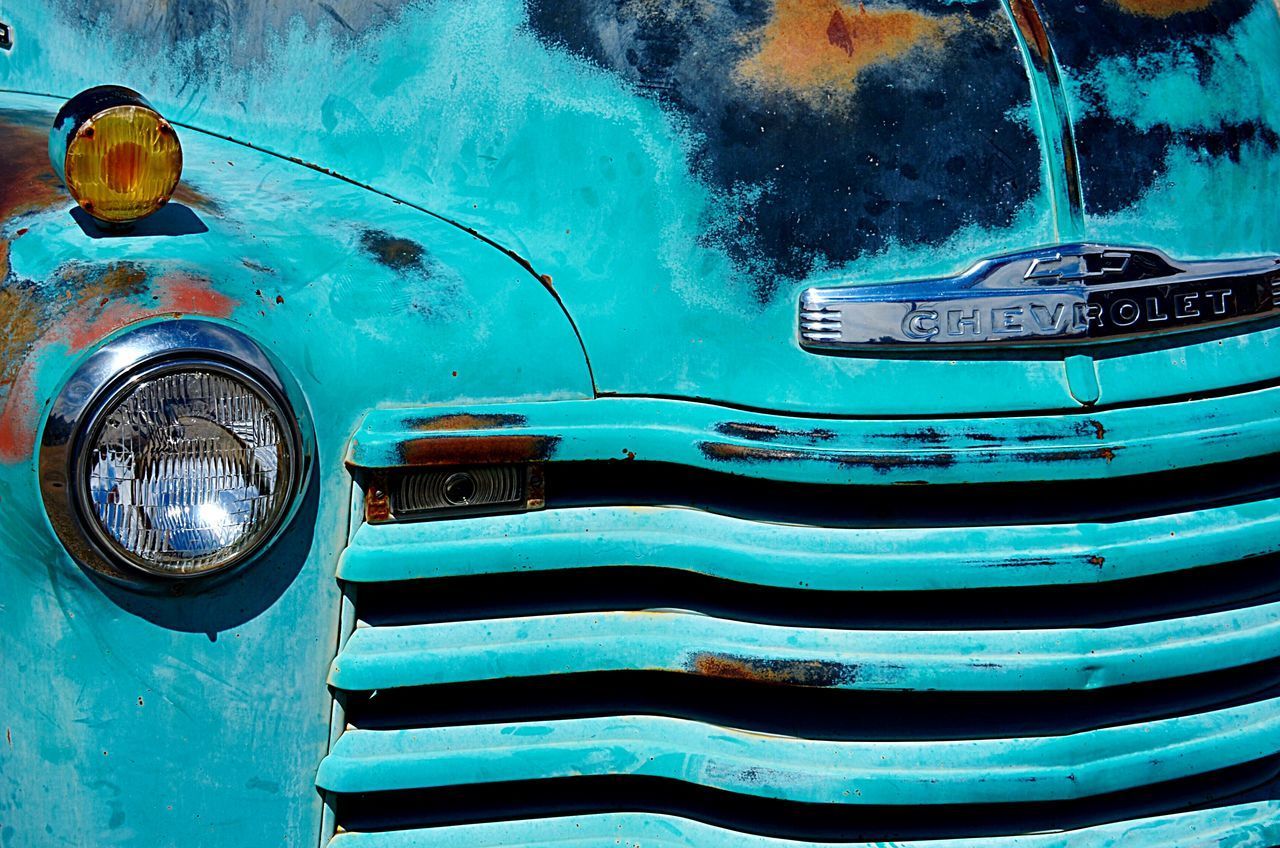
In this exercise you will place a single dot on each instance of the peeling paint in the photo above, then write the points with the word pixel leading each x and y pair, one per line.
pixel 27 181
pixel 770 433
pixel 462 421
pixel 1161 9
pixel 823 673
pixel 880 462
pixel 476 450
pixel 398 254
pixel 815 49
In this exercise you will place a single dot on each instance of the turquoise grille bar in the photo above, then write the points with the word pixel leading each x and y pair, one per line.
pixel 804 770
pixel 1104 443
pixel 1241 826
pixel 997 660
pixel 799 556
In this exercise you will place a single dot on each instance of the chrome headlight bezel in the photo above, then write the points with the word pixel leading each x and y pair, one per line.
pixel 108 375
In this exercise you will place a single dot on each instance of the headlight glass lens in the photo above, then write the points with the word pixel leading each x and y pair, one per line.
pixel 188 471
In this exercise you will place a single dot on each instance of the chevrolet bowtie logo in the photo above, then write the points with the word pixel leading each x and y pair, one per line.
pixel 1064 268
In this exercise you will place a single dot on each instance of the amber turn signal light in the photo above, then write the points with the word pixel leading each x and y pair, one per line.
pixel 117 156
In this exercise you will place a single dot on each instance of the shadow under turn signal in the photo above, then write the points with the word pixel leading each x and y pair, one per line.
pixel 117 156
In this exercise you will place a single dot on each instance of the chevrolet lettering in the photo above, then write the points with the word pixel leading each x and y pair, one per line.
pixel 1073 293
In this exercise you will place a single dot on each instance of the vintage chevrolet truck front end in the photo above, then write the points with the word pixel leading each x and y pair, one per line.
pixel 743 423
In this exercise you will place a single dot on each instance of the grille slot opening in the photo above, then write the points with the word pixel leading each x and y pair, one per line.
pixel 1194 591
pixel 639 483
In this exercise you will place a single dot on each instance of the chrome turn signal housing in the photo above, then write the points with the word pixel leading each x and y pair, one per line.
pixel 119 159
pixel 177 450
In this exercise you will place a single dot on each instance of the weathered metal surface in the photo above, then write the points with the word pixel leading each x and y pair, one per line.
pixel 1107 443
pixel 725 157
pixel 674 174
pixel 1022 660
pixel 158 719
pixel 1175 110
pixel 806 557
pixel 934 772
pixel 1242 826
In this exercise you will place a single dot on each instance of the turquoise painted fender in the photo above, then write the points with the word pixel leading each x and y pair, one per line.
pixel 161 720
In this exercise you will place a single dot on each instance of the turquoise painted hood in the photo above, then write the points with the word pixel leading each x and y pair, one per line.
pixel 681 171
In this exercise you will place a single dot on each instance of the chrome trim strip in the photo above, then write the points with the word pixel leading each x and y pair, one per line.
pixel 1063 294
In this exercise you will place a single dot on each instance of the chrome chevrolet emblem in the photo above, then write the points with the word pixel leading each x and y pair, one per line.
pixel 1079 292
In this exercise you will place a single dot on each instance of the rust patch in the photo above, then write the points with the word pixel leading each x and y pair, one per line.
pixel 1077 455
pixel 27 181
pixel 455 421
pixel 820 673
pixel 1161 9
pixel 398 254
pixel 816 48
pixel 1027 18
pixel 85 303
pixel 1020 562
pixel 94 302
pixel 189 195
pixel 187 294
pixel 1096 560
pixel 880 462
pixel 768 433
pixel 20 315
pixel 476 450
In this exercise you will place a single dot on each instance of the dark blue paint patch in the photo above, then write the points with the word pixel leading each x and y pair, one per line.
pixel 1119 161
pixel 927 141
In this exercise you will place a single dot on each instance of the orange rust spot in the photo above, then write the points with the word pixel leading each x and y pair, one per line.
pixel 377 506
pixel 1161 9
pixel 814 48
pixel 476 450
pixel 182 293
pixel 189 195
pixel 1107 453
pixel 17 420
pixel 453 422
pixel 786 672
pixel 1096 560
pixel 1028 21
pixel 27 181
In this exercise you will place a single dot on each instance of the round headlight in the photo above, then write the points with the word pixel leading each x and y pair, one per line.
pixel 186 470
pixel 119 159
pixel 172 453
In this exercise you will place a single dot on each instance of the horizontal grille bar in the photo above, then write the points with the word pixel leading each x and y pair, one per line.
pixel 797 556
pixel 811 771
pixel 1011 660
pixel 1256 824
pixel 1099 444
